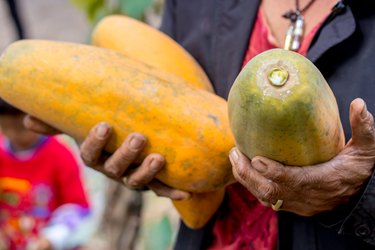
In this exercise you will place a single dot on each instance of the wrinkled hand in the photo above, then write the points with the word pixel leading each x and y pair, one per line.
pixel 313 189
pixel 119 165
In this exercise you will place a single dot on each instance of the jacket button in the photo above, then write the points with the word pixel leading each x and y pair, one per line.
pixel 362 231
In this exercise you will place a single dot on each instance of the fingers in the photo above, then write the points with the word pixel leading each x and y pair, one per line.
pixel 127 154
pixel 240 163
pixel 92 147
pixel 38 126
pixel 362 123
pixel 288 175
pixel 147 171
pixel 145 174
pixel 270 169
pixel 264 189
pixel 163 190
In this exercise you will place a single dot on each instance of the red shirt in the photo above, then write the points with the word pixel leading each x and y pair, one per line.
pixel 31 189
pixel 244 223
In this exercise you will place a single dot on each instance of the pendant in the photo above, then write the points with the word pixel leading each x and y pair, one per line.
pixel 294 33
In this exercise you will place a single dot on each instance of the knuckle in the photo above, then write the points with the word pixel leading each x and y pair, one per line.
pixel 240 173
pixel 276 171
pixel 279 174
pixel 87 158
pixel 112 169
pixel 266 192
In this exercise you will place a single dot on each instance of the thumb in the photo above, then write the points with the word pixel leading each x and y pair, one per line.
pixel 362 123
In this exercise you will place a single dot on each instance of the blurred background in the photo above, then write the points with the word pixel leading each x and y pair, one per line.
pixel 121 219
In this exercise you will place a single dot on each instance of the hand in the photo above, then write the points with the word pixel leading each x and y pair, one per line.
pixel 313 189
pixel 119 165
pixel 41 244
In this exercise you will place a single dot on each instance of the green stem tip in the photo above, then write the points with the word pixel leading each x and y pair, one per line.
pixel 278 77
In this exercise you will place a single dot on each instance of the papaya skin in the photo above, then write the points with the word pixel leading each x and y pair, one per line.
pixel 295 122
pixel 132 38
pixel 73 87
pixel 79 86
pixel 199 208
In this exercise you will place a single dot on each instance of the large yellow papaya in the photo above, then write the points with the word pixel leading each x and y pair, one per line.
pixel 281 107
pixel 72 87
pixel 142 42
pixel 132 38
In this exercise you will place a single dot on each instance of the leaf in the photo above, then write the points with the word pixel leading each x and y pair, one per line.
pixel 134 8
pixel 94 9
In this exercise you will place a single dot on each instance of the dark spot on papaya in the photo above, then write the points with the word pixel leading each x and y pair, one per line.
pixel 214 119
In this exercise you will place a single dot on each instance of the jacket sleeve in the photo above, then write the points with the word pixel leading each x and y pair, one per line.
pixel 358 217
pixel 168 21
pixel 361 219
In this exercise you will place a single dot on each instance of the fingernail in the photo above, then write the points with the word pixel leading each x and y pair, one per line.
pixel 259 165
pixel 155 164
pixel 183 196
pixel 364 111
pixel 233 155
pixel 136 143
pixel 102 130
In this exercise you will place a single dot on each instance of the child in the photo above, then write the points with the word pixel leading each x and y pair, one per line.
pixel 42 200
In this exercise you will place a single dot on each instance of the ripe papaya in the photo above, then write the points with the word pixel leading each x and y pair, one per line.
pixel 72 87
pixel 142 42
pixel 281 107
pixel 132 38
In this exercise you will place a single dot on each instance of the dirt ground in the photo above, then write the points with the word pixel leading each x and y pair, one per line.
pixel 45 19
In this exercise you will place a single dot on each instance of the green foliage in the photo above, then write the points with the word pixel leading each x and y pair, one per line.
pixel 96 9
pixel 159 235
pixel 134 8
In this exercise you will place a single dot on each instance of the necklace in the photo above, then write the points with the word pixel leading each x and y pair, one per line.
pixel 296 29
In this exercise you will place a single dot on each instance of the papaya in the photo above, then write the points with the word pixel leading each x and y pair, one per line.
pixel 132 38
pixel 281 107
pixel 142 42
pixel 73 86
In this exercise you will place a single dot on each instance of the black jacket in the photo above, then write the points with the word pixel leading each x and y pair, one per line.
pixel 217 32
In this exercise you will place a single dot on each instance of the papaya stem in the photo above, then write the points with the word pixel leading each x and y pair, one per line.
pixel 278 77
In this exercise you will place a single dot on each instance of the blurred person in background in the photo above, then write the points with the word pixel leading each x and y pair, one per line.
pixel 42 200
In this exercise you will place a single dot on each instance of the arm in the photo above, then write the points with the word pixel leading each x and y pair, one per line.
pixel 312 190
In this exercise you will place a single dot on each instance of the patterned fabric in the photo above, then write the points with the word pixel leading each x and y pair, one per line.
pixel 32 187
